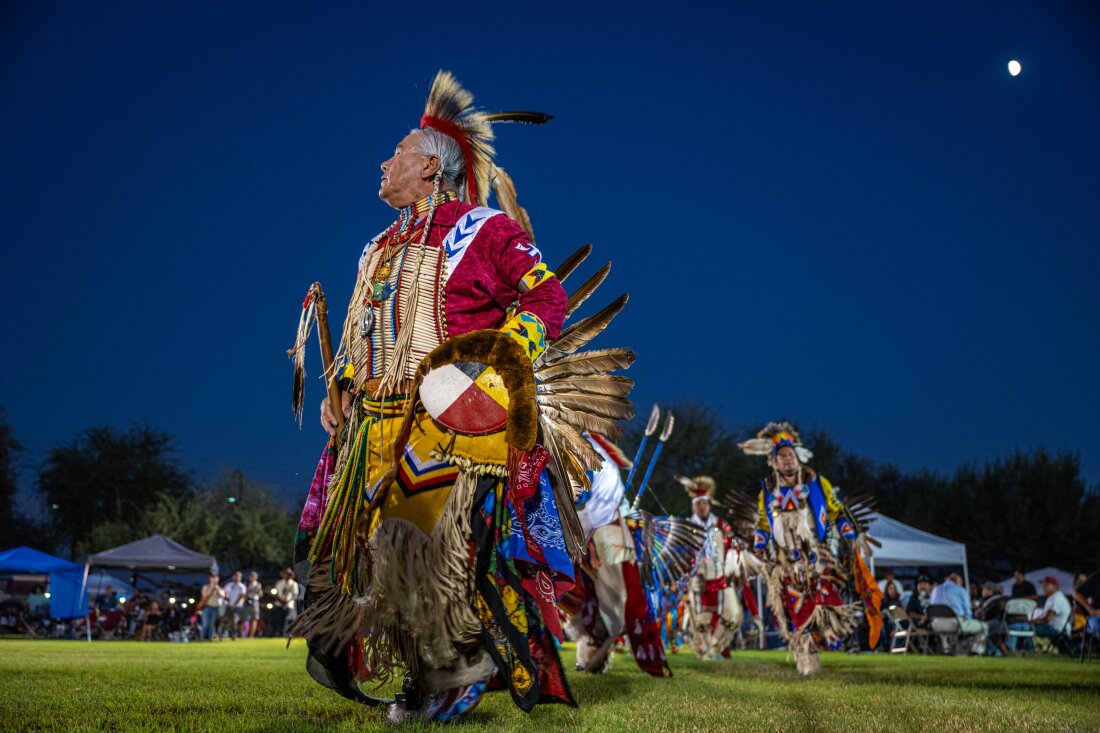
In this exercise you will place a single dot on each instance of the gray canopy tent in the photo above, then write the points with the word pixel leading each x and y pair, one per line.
pixel 909 546
pixel 152 553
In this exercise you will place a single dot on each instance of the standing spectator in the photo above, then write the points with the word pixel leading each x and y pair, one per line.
pixel 951 593
pixel 991 609
pixel 1052 620
pixel 286 600
pixel 1087 596
pixel 917 608
pixel 211 600
pixel 1022 587
pixel 235 594
pixel 253 597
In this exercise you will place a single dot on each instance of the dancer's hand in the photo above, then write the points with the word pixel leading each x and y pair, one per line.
pixel 328 419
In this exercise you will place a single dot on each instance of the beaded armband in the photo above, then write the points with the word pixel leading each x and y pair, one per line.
pixel 536 276
pixel 529 331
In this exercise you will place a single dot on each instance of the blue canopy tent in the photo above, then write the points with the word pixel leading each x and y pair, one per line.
pixel 66 579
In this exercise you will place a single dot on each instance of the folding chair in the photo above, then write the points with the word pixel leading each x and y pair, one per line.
pixel 945 624
pixel 112 623
pixel 1087 640
pixel 901 637
pixel 1018 611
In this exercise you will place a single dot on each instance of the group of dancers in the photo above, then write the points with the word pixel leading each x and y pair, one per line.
pixel 471 490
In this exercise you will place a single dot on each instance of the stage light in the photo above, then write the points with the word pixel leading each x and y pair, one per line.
pixel 172 599
pixel 270 606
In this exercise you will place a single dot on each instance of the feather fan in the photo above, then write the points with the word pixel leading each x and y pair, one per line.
pixel 576 300
pixel 606 384
pixel 584 420
pixel 597 361
pixel 616 408
pixel 582 332
pixel 572 262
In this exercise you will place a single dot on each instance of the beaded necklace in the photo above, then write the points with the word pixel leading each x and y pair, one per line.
pixel 410 222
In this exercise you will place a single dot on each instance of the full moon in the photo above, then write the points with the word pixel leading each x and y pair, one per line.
pixel 1014 67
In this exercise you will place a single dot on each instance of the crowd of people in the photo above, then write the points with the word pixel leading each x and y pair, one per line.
pixel 994 620
pixel 232 610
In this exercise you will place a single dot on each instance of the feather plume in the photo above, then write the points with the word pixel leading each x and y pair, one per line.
pixel 582 332
pixel 507 199
pixel 297 354
pixel 597 361
pixel 524 118
pixel 576 300
pixel 572 262
pixel 605 384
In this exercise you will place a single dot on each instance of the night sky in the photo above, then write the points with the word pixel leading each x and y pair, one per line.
pixel 845 214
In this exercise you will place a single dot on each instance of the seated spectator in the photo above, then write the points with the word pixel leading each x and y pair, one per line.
pixel 917 608
pixel 951 593
pixel 891 579
pixel 891 595
pixel 153 617
pixel 1087 596
pixel 992 610
pixel 1052 620
pixel 107 600
pixel 1022 587
pixel 38 604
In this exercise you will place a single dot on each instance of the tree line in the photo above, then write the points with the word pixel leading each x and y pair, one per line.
pixel 1029 508
pixel 108 487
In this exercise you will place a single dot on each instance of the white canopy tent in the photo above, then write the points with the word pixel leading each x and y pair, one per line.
pixel 909 546
pixel 1064 578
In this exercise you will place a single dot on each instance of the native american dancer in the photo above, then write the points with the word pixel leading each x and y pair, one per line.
pixel 713 610
pixel 631 555
pixel 439 532
pixel 796 509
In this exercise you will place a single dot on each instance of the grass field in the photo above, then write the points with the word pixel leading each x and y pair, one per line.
pixel 260 685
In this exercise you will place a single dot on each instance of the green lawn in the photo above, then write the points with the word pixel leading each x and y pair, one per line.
pixel 260 685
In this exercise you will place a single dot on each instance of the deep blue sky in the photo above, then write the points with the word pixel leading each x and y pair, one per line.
pixel 847 214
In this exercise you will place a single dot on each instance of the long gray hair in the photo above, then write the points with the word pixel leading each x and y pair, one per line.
pixel 451 160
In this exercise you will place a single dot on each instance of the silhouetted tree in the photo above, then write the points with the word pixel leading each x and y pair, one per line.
pixel 9 451
pixel 98 487
pixel 237 520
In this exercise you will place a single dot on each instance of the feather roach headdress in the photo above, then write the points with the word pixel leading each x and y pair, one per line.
pixel 700 487
pixel 774 436
pixel 450 110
